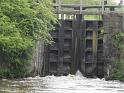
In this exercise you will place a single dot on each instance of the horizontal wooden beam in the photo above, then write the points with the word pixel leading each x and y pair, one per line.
pixel 87 12
pixel 86 6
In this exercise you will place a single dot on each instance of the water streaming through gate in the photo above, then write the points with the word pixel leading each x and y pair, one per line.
pixel 63 84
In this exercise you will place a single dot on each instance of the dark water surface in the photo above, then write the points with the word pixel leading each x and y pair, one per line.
pixel 63 84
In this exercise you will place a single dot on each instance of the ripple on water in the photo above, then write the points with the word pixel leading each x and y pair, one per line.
pixel 63 84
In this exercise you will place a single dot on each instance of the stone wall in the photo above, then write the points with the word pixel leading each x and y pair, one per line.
pixel 112 25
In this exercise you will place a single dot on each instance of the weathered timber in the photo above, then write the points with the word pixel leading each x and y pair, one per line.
pixel 85 6
pixel 60 52
pixel 38 58
pixel 91 54
pixel 80 44
pixel 83 9
pixel 94 47
pixel 75 47
pixel 61 46
pixel 78 32
pixel 85 12
pixel 123 23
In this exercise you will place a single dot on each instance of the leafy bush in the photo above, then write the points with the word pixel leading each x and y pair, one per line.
pixel 22 23
pixel 118 72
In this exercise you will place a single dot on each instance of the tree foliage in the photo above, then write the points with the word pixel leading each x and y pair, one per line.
pixel 22 23
pixel 118 72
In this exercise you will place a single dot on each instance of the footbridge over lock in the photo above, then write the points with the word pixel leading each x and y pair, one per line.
pixel 80 44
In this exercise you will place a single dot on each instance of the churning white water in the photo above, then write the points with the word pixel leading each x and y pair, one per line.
pixel 64 84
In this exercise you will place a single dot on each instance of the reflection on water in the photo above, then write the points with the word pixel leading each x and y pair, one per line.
pixel 63 84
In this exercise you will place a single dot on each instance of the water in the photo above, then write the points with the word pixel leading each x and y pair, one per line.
pixel 63 84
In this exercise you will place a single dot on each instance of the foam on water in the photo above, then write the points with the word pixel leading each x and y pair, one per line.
pixel 64 84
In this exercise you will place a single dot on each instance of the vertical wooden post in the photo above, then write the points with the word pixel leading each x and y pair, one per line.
pixel 59 8
pixel 74 46
pixel 123 23
pixel 81 1
pixel 61 45
pixel 78 31
pixel 95 24
pixel 103 7
pixel 82 46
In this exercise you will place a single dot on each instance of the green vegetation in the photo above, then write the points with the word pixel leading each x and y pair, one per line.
pixel 22 23
pixel 118 72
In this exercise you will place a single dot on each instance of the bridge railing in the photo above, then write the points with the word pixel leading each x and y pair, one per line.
pixel 82 8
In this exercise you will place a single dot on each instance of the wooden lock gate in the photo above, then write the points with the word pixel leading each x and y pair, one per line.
pixel 77 46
